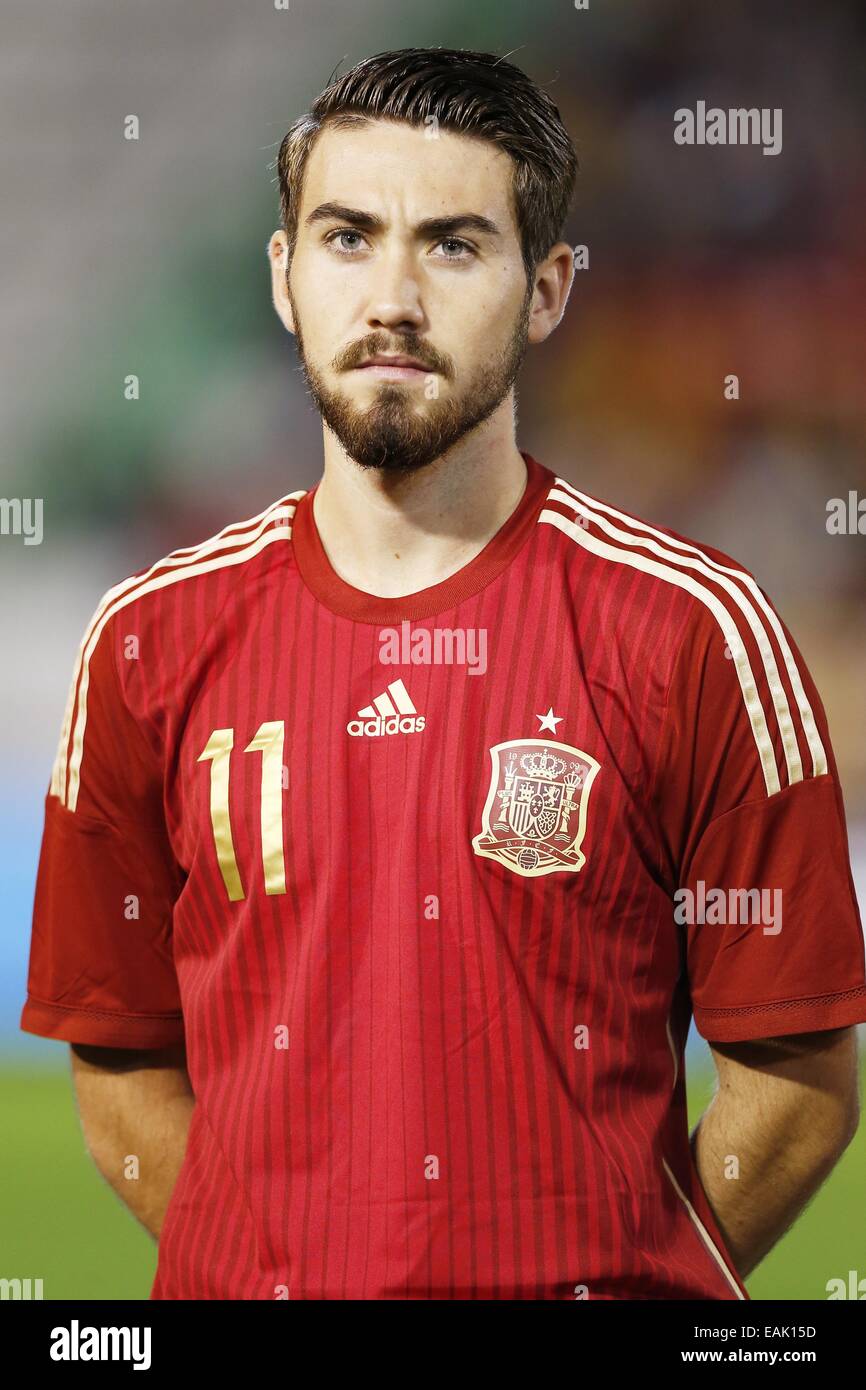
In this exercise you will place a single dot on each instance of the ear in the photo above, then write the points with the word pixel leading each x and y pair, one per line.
pixel 278 255
pixel 553 280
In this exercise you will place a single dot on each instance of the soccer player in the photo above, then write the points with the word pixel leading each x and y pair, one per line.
pixel 395 834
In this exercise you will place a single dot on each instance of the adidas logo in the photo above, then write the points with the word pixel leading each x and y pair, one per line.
pixel 391 713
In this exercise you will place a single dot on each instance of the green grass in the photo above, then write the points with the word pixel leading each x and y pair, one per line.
pixel 60 1222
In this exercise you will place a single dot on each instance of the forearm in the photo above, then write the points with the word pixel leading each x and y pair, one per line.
pixel 135 1115
pixel 759 1170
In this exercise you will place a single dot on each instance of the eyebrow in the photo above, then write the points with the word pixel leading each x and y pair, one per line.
pixel 430 227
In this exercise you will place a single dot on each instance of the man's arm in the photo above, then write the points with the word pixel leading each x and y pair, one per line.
pixel 786 1108
pixel 135 1103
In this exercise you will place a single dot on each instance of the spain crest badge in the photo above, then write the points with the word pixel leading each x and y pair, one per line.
pixel 534 819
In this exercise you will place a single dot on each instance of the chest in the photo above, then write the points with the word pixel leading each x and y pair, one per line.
pixel 436 750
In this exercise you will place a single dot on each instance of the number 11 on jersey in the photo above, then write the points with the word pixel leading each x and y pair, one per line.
pixel 270 741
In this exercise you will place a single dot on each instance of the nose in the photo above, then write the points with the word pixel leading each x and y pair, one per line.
pixel 395 299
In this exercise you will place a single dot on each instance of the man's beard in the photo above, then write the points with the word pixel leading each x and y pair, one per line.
pixel 391 434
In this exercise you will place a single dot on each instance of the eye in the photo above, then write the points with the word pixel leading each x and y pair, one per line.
pixel 459 244
pixel 333 237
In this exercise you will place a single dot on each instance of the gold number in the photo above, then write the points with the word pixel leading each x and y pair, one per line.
pixel 270 740
pixel 218 749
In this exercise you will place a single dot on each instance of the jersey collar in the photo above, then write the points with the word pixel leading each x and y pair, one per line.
pixel 320 577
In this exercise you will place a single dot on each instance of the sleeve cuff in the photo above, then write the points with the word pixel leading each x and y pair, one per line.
pixel 752 1022
pixel 100 1029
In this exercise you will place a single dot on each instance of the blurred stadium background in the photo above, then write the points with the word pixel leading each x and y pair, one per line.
pixel 147 257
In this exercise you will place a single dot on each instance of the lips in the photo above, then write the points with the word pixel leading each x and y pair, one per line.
pixel 379 361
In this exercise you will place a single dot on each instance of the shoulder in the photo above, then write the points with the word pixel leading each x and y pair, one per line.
pixel 706 617
pixel 702 591
pixel 621 539
pixel 146 614
pixel 242 547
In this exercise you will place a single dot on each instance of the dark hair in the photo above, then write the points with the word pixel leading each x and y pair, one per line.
pixel 477 94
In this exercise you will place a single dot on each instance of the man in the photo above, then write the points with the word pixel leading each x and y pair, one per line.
pixel 396 833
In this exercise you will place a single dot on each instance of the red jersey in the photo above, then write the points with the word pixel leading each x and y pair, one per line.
pixel 431 886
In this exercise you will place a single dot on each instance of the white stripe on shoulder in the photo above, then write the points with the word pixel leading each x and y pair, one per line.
pixel 714 569
pixel 735 643
pixel 235 533
pixel 217 551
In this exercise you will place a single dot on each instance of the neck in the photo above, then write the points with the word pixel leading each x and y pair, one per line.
pixel 393 534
